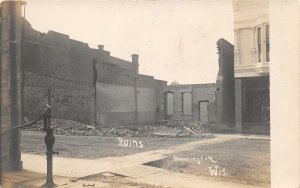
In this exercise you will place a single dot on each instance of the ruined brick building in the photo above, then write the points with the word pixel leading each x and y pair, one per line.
pixel 225 101
pixel 190 102
pixel 87 85
pixel 90 85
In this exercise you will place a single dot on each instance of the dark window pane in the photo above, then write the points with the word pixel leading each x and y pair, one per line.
pixel 259 43
pixel 256 100
pixel 267 43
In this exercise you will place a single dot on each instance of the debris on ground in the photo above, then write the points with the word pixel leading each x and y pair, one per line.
pixel 167 132
pixel 73 128
pixel 116 180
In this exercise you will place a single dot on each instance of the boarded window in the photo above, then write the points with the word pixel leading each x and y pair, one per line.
pixel 169 103
pixel 186 103
pixel 203 112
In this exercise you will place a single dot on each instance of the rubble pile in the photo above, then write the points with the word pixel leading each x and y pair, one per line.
pixel 195 126
pixel 143 131
pixel 72 128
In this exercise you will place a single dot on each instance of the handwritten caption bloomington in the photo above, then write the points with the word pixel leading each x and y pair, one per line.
pixel 214 170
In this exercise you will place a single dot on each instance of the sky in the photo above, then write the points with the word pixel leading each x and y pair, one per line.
pixel 175 40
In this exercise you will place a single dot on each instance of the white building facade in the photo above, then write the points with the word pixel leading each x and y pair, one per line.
pixel 251 66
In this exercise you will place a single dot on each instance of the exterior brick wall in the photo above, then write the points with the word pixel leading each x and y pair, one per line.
pixel 69 100
pixel 73 71
pixel 198 92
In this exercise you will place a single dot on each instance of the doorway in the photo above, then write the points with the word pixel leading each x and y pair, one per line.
pixel 203 111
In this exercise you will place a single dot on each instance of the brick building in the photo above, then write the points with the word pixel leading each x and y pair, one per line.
pixel 87 85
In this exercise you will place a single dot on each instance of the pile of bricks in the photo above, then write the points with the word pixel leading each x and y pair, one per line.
pixel 69 128
pixel 72 128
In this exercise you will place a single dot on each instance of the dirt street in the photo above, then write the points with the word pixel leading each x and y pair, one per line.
pixel 241 160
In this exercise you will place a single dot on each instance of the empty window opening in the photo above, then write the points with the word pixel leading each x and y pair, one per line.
pixel 186 104
pixel 169 103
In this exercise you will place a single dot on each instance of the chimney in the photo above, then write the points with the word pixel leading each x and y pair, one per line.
pixel 135 61
pixel 100 47
pixel 135 58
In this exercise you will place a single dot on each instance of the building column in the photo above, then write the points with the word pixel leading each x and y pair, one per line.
pixel 238 105
pixel 11 78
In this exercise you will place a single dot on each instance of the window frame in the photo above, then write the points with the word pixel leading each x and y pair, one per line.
pixel 185 105
pixel 267 45
pixel 259 43
pixel 262 43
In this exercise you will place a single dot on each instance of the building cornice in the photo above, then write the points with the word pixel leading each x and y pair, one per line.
pixel 252 70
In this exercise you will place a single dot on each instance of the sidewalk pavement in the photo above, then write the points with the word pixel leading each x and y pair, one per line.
pixel 29 179
pixel 139 176
pixel 245 136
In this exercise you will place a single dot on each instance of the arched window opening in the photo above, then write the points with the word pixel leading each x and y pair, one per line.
pixel 169 103
pixel 186 104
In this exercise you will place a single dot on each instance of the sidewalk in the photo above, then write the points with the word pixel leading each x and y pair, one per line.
pixel 245 136
pixel 29 179
pixel 138 176
pixel 25 178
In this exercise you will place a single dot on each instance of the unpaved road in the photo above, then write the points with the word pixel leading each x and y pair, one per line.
pixel 93 147
pixel 245 161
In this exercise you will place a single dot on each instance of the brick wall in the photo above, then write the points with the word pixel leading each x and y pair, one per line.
pixel 193 93
pixel 225 85
pixel 69 100
pixel 73 71
pixel 116 103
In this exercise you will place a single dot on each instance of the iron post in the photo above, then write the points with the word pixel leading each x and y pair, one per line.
pixel 49 141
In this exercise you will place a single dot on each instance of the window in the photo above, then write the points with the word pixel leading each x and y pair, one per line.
pixel 169 103
pixel 267 43
pixel 259 44
pixel 263 43
pixel 256 100
pixel 186 103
